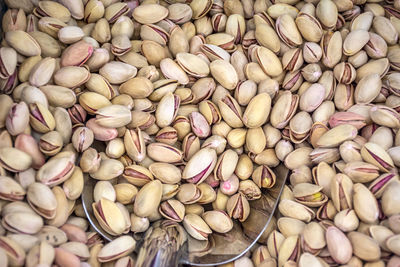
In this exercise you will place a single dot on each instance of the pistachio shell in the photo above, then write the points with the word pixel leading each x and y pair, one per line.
pixel 150 13
pixel 118 248
pixel 148 198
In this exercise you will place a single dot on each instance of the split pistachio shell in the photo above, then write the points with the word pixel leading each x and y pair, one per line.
pixel 116 249
pixel 354 41
pixel 226 165
pixel 113 116
pixel 296 210
pixel 196 226
pixel 164 153
pixel 55 171
pixel 374 154
pixel 42 200
pixel 192 64
pixel 309 194
pixel 16 223
pixel 230 111
pixel 181 113
pixel 23 43
pixel 8 156
pixel 172 209
pixel 109 216
pixel 268 61
pixel 200 166
pixel 14 252
pixel 11 190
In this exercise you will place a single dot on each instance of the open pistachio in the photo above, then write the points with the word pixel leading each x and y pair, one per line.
pixel 116 249
pixel 113 224
pixel 183 113
pixel 196 226
pixel 200 165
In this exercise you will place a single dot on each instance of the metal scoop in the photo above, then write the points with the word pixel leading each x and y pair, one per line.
pixel 165 243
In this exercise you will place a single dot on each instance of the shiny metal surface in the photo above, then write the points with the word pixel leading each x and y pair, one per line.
pixel 227 247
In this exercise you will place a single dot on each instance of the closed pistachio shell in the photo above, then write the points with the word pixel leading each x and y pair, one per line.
pixel 363 198
pixel 165 172
pixel 148 198
pixel 224 73
pixel 257 111
pixel 364 246
pixel 339 245
pixel 389 198
pixel 125 193
pixel 354 41
pixel 337 135
pixel 151 13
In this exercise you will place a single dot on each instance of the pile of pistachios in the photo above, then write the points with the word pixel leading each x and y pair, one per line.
pixel 181 110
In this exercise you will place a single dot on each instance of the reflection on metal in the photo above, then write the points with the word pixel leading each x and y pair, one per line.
pixel 220 248
pixel 234 244
pixel 87 200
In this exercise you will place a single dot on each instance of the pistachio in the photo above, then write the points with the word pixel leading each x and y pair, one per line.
pixel 116 249
pixel 257 111
pixel 375 155
pixel 337 135
pixel 166 173
pixel 182 114
pixel 364 246
pixel 14 252
pixel 164 153
pixel 218 221
pixel 172 209
pixel 196 226
pixel 224 73
pixel 117 72
pixel 152 13
pixel 109 216
pixel 42 200
pixel 339 245
pixel 200 165
pixel 8 162
pixel 56 171
pixel 17 119
pixel 148 198
pixel 11 190
pixel 108 169
pixel 23 43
